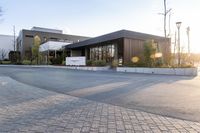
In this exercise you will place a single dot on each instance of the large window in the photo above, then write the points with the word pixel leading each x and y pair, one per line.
pixel 105 52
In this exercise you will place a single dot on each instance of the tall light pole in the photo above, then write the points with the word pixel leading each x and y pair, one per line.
pixel 178 24
pixel 188 35
pixel 175 44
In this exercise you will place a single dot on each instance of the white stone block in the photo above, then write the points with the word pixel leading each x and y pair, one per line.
pixel 180 71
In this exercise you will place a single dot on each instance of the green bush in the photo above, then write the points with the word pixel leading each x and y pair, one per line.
pixel 18 63
pixel 14 57
pixel 34 62
pixel 63 63
pixel 131 64
pixel 6 62
pixel 89 62
pixel 56 61
pixel 114 63
pixel 99 63
pixel 26 62
pixel 181 66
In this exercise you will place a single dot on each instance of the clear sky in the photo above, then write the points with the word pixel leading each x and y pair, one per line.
pixel 97 17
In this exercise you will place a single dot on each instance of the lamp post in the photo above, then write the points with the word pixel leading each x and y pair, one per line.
pixel 178 24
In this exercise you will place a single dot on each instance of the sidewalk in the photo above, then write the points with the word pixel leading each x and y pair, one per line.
pixel 29 109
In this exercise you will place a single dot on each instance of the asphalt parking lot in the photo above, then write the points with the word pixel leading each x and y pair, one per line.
pixel 173 96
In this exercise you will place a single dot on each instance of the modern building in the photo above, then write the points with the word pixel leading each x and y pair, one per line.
pixel 6 45
pixel 121 45
pixel 26 38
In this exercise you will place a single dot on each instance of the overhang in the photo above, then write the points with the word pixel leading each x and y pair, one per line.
pixel 52 45
pixel 113 36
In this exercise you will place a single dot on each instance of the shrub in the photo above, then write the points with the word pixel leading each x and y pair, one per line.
pixel 99 63
pixel 18 63
pixel 149 50
pixel 14 57
pixel 64 63
pixel 34 62
pixel 89 62
pixel 114 63
pixel 56 61
pixel 138 64
pixel 6 62
pixel 26 62
pixel 182 66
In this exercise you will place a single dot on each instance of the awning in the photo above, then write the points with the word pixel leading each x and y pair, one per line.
pixel 52 45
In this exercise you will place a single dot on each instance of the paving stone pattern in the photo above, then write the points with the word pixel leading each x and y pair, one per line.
pixel 28 109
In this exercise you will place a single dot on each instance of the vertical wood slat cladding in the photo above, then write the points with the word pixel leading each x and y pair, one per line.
pixel 132 47
pixel 135 47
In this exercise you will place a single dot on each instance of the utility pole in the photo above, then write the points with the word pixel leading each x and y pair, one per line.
pixel 14 42
pixel 178 24
pixel 175 40
pixel 169 34
pixel 165 15
pixel 188 35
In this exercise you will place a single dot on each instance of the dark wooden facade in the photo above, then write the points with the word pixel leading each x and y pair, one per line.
pixel 135 47
pixel 132 47
pixel 128 44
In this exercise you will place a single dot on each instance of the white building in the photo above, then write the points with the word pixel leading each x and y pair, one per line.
pixel 47 30
pixel 6 43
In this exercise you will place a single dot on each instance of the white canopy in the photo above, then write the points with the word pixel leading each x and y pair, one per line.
pixel 52 45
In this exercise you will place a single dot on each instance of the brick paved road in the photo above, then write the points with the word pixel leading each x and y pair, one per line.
pixel 174 96
pixel 25 108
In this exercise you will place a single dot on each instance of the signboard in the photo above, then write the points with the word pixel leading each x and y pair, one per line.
pixel 76 61
pixel 120 62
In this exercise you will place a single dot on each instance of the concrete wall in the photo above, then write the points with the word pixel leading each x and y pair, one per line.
pixel 89 68
pixel 6 42
pixel 167 71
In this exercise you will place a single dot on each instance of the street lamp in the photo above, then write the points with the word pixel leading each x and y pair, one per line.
pixel 178 24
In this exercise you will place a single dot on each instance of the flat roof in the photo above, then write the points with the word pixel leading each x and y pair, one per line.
pixel 63 34
pixel 6 35
pixel 46 30
pixel 113 36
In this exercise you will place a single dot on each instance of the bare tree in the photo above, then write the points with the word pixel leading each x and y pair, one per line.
pixel 166 11
pixel 3 53
pixel 0 11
